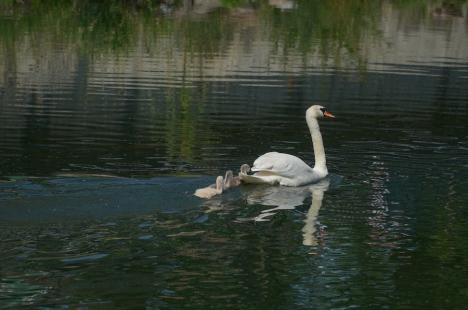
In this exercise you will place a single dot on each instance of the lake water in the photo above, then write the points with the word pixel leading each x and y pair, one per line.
pixel 112 114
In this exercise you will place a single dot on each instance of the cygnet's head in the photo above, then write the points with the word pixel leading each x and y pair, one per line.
pixel 318 111
pixel 228 178
pixel 219 184
pixel 244 169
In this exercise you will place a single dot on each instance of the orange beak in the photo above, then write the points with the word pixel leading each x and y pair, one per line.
pixel 328 114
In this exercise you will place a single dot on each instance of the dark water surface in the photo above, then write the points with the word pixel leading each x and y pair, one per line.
pixel 112 114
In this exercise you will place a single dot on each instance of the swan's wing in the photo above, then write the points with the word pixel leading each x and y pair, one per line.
pixel 281 164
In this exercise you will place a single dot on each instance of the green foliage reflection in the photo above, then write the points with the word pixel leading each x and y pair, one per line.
pixel 116 25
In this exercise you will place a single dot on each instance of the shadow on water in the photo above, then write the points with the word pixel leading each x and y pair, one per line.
pixel 77 197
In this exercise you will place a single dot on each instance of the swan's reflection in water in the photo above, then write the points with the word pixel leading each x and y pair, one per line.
pixel 288 198
pixel 310 223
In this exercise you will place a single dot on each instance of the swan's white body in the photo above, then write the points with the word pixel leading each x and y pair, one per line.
pixel 288 170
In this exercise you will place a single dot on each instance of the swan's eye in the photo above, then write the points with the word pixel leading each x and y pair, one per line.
pixel 323 110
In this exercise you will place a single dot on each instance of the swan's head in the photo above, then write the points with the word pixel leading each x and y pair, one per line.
pixel 318 111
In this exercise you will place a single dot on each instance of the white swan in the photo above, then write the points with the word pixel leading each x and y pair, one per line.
pixel 212 190
pixel 289 170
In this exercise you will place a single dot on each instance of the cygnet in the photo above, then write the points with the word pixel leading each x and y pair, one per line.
pixel 210 191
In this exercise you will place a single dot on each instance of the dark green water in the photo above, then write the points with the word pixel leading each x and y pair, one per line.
pixel 113 113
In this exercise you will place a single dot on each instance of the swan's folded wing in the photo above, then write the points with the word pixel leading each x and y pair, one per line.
pixel 279 164
pixel 256 179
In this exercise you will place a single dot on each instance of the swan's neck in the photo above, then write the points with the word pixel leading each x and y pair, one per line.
pixel 319 151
